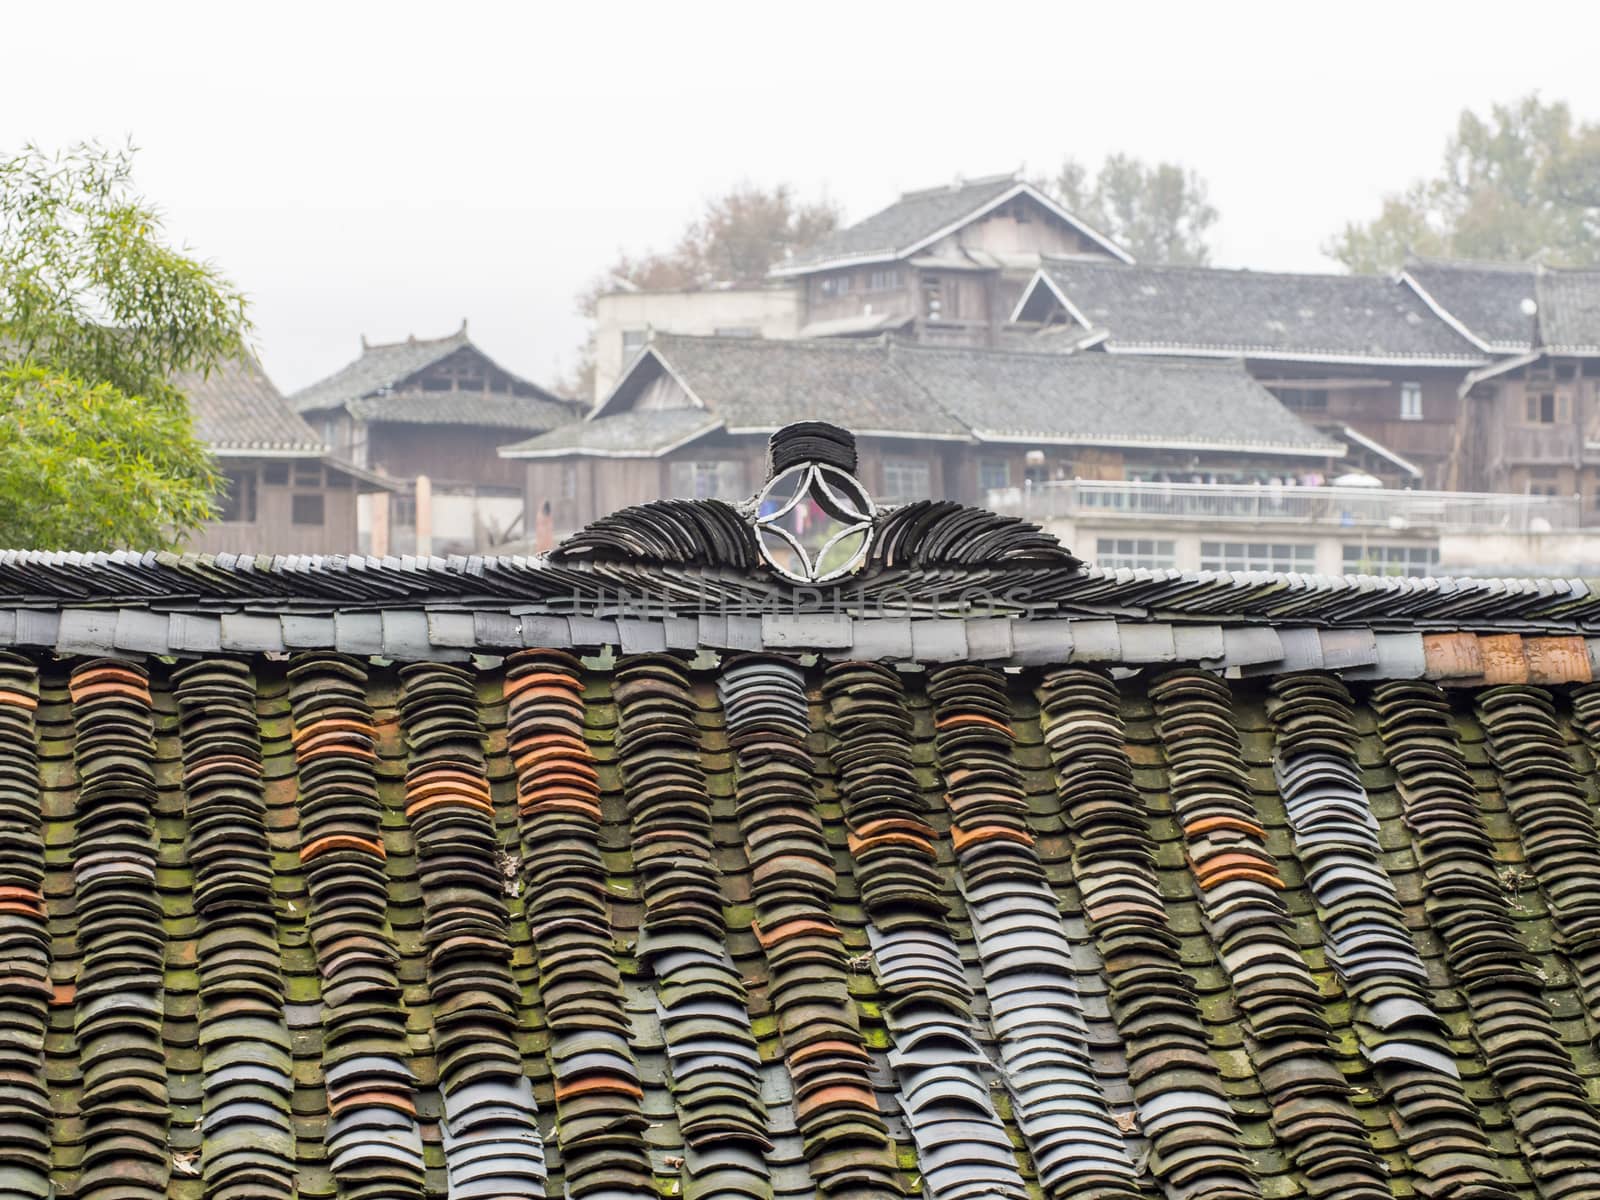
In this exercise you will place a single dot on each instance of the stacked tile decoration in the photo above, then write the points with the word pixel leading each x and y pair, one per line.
pixel 1498 975
pixel 25 991
pixel 248 1141
pixel 701 998
pixel 491 1139
pixel 1196 1146
pixel 373 1142
pixel 1401 1035
pixel 1240 888
pixel 118 999
pixel 597 1087
pixel 962 1146
pixel 1467 903
pixel 1545 794
pixel 794 885
pixel 1026 958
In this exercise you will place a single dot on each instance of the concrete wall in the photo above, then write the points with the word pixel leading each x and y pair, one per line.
pixel 772 311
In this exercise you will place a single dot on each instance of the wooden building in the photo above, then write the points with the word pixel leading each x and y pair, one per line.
pixel 284 492
pixel 431 414
pixel 943 265
pixel 1530 417
pixel 691 416
pixel 1361 357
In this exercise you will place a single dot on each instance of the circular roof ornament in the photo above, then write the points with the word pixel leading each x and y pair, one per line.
pixel 814 523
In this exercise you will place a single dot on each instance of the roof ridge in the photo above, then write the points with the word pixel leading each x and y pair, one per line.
pixel 960 184
pixel 1084 260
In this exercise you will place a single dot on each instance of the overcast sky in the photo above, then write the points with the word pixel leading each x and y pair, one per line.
pixel 392 168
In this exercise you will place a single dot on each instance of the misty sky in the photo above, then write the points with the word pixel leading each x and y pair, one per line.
pixel 392 168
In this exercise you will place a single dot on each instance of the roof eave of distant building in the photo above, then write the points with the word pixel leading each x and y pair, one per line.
pixel 1382 451
pixel 317 451
pixel 910 434
pixel 1179 350
pixel 513 450
pixel 1322 450
pixel 866 257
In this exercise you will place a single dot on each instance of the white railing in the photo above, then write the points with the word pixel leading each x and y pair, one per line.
pixel 1265 504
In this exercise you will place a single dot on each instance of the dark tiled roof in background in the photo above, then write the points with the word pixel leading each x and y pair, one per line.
pixel 1095 398
pixel 382 369
pixel 1487 299
pixel 1214 311
pixel 1569 311
pixel 885 386
pixel 484 409
pixel 910 220
pixel 833 930
pixel 237 408
pixel 756 384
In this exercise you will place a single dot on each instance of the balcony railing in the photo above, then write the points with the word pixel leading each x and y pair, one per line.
pixel 1261 504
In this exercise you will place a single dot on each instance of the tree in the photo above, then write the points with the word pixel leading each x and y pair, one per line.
pixel 1159 213
pixel 737 239
pixel 1521 185
pixel 97 315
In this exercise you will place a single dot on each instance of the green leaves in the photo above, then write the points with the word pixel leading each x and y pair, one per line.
pixel 86 466
pixel 1159 212
pixel 97 315
pixel 1521 185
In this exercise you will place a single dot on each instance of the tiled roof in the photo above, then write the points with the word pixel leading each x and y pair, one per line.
pixel 748 926
pixel 382 370
pixel 236 408
pixel 495 410
pixel 917 216
pixel 1207 310
pixel 1097 398
pixel 884 386
pixel 1569 311
pixel 757 384
pixel 1486 300
pixel 471 877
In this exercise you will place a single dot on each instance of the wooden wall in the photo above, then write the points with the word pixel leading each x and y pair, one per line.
pixel 274 531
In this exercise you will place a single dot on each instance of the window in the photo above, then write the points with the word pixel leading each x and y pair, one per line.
pixel 1258 556
pixel 905 479
pixel 1415 561
pixel 569 481
pixel 712 480
pixel 306 508
pixel 993 473
pixel 1313 400
pixel 276 474
pixel 308 474
pixel 633 341
pixel 749 331
pixel 237 502
pixel 1134 553
pixel 932 297
pixel 835 285
pixel 1411 402
pixel 1547 408
pixel 403 510
pixel 885 280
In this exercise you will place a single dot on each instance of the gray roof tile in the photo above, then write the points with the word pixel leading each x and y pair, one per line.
pixel 1214 311
pixel 373 388
pixel 881 386
pixel 893 231
pixel 237 408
